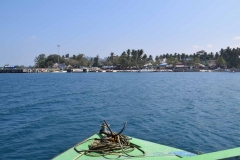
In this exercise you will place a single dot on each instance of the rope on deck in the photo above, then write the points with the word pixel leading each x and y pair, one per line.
pixel 105 146
pixel 110 143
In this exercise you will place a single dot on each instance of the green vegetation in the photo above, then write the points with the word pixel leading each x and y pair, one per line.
pixel 48 62
pixel 134 59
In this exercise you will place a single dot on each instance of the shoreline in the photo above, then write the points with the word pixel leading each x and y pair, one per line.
pixel 77 70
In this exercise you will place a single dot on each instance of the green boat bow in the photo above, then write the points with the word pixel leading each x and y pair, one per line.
pixel 110 145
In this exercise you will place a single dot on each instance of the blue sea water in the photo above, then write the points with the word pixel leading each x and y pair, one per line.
pixel 42 115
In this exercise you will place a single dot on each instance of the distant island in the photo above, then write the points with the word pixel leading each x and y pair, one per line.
pixel 228 58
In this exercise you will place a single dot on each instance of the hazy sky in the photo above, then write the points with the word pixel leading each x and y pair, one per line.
pixel 31 27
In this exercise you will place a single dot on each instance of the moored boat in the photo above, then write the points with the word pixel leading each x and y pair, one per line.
pixel 61 71
pixel 146 70
pixel 77 70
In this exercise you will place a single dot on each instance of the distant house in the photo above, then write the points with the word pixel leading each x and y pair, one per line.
pixel 201 65
pixel 95 69
pixel 69 66
pixel 59 66
pixel 27 70
pixel 212 63
pixel 62 66
pixel 148 65
pixel 179 65
pixel 109 67
pixel 188 59
pixel 55 65
pixel 162 65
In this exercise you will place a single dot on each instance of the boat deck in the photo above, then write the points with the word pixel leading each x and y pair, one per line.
pixel 153 151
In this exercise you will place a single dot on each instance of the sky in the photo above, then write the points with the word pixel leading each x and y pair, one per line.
pixel 29 28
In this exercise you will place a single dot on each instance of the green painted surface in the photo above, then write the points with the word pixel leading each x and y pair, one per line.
pixel 217 155
pixel 153 151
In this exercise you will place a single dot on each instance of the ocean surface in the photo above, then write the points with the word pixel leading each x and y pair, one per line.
pixel 42 115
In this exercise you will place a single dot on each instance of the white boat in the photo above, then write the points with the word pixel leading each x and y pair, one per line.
pixel 203 70
pixel 77 70
pixel 59 72
pixel 101 70
pixel 146 70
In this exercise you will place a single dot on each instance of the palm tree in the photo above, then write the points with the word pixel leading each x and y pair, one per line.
pixel 150 58
pixel 134 57
pixel 128 57
pixel 157 59
pixel 111 57
pixel 139 57
pixel 128 52
pixel 144 59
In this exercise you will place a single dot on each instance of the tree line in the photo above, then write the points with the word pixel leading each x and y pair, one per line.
pixel 135 59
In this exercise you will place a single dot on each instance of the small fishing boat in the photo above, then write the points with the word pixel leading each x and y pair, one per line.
pixel 111 145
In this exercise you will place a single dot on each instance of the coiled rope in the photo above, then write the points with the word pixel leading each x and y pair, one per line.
pixel 110 143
